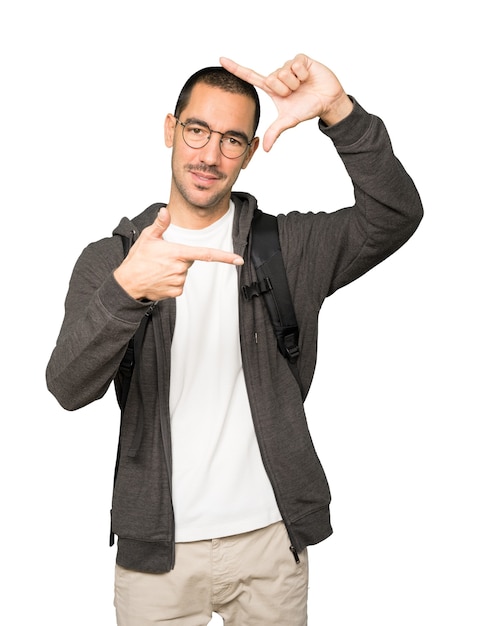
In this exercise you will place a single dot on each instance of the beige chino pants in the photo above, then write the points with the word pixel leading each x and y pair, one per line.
pixel 251 579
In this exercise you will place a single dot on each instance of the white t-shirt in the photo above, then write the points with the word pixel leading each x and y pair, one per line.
pixel 220 486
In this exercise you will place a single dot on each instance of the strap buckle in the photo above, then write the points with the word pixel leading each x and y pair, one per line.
pixel 257 289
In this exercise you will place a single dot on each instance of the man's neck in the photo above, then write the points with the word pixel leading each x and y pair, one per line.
pixel 187 215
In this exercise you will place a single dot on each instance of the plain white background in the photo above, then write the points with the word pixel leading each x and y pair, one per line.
pixel 394 406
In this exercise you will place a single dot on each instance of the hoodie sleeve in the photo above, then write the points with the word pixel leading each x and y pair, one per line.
pixel 327 251
pixel 387 208
pixel 100 318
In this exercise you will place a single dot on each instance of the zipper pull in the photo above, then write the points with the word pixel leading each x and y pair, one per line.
pixel 295 554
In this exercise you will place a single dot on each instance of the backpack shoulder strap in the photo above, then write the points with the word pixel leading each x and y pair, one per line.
pixel 272 284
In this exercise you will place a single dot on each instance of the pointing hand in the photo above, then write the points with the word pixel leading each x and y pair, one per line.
pixel 156 269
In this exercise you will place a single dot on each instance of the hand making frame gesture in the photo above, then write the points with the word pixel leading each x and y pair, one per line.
pixel 301 90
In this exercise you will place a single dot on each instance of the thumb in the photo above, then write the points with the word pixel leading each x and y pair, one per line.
pixel 161 223
pixel 274 131
pixel 270 137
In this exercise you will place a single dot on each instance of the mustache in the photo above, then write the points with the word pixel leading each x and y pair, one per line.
pixel 206 169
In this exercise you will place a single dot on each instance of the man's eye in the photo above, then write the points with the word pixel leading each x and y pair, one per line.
pixel 233 141
pixel 197 131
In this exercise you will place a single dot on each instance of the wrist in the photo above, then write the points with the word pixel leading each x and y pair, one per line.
pixel 129 286
pixel 338 111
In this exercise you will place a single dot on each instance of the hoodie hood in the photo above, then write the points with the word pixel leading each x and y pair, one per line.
pixel 131 228
pixel 245 205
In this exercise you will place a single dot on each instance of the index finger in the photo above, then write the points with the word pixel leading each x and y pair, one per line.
pixel 244 73
pixel 197 253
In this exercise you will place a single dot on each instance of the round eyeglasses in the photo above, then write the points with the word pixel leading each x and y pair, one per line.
pixel 233 144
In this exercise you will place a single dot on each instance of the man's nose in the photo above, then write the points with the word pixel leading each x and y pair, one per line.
pixel 211 151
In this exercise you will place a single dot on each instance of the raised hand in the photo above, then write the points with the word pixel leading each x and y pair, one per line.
pixel 156 269
pixel 301 90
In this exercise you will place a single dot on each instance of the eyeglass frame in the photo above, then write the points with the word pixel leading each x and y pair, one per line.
pixel 211 131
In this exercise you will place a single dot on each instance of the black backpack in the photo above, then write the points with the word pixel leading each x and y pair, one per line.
pixel 271 285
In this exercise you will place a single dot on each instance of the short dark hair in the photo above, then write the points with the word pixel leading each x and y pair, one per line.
pixel 221 78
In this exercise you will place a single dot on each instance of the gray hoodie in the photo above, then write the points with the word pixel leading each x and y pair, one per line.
pixel 322 252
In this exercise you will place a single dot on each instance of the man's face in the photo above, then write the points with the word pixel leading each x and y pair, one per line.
pixel 203 177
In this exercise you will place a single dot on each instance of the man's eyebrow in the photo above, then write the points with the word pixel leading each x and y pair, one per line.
pixel 236 133
pixel 195 120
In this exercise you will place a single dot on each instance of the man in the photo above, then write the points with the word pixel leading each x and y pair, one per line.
pixel 219 490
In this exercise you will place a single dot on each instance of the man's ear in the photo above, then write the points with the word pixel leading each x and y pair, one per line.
pixel 169 129
pixel 250 152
